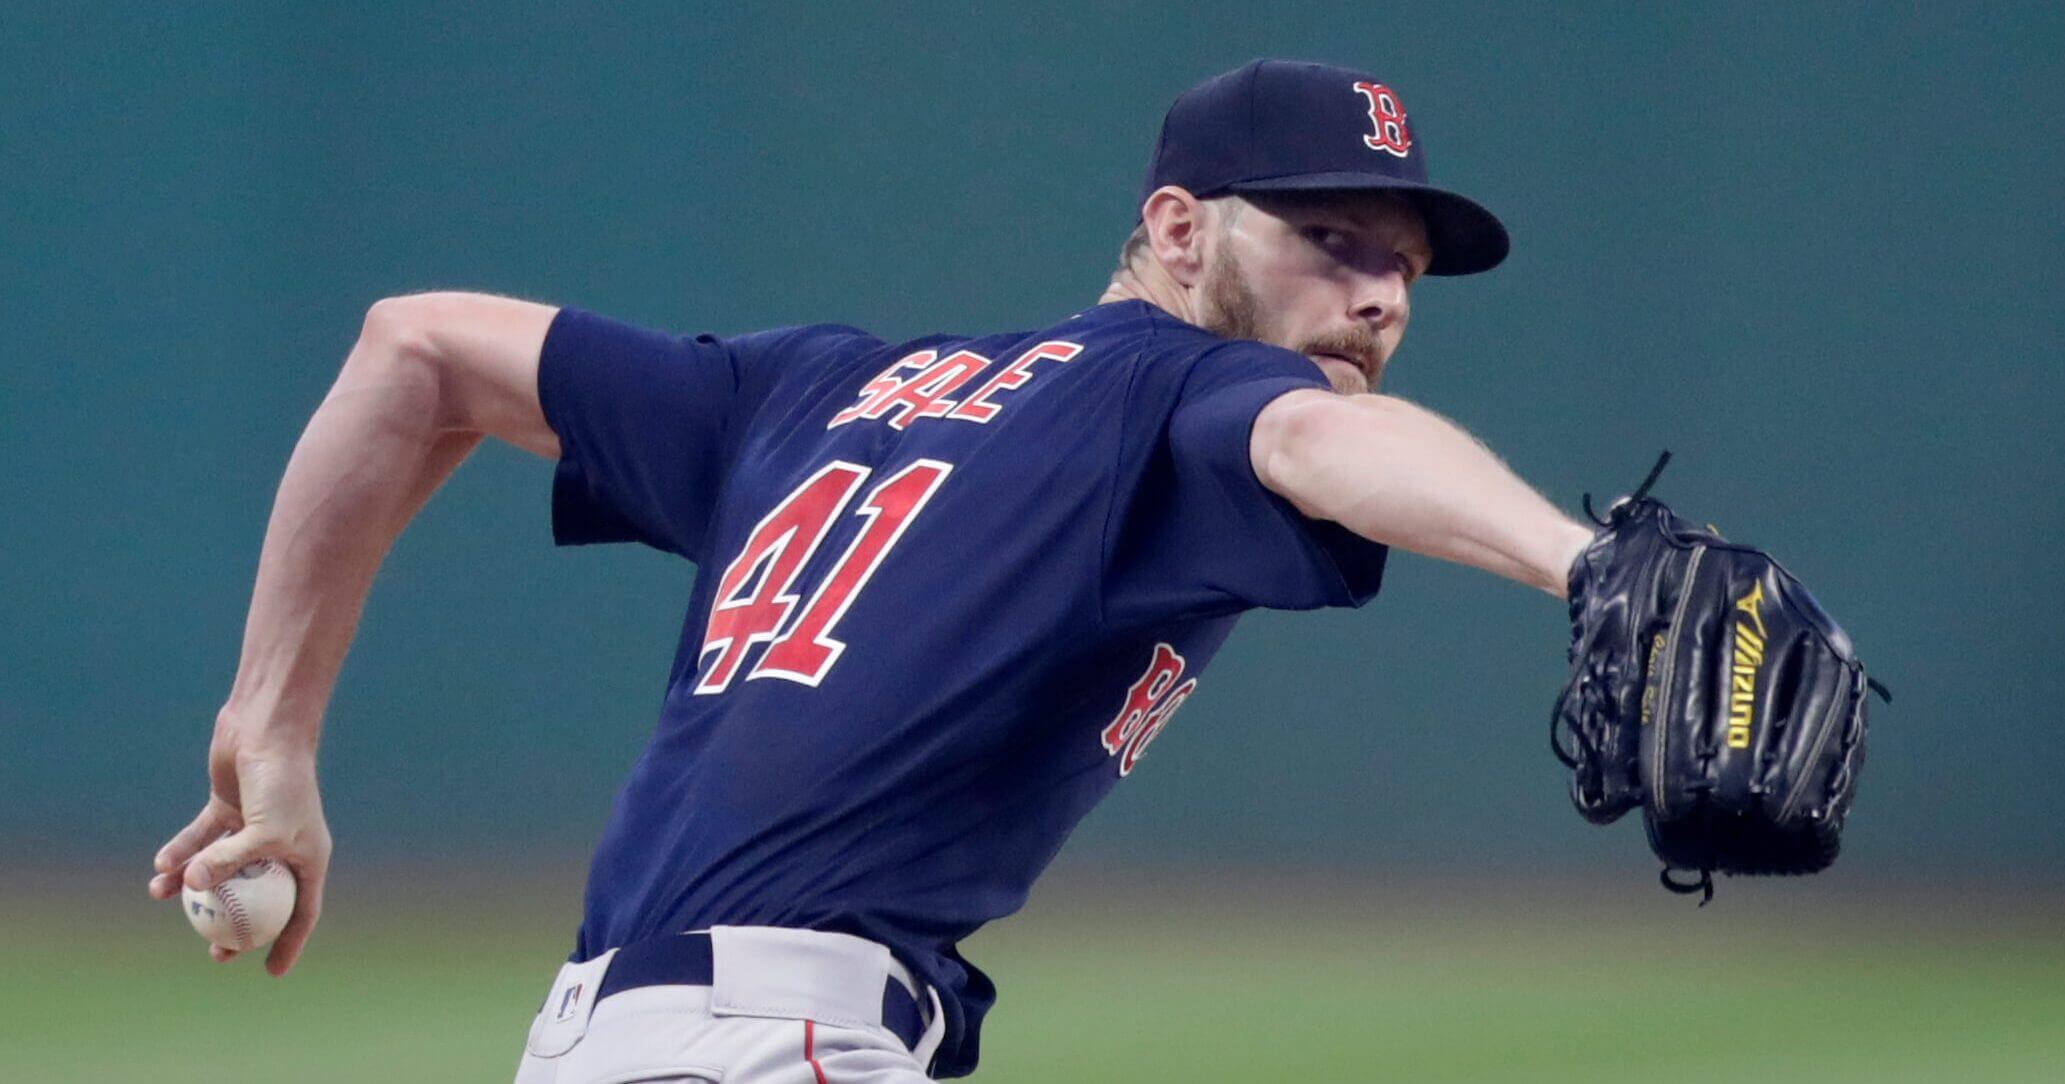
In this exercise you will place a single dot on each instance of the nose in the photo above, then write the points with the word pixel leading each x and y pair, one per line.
pixel 1380 297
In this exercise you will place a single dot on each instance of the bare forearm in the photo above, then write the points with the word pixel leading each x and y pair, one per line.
pixel 372 454
pixel 1401 475
pixel 430 376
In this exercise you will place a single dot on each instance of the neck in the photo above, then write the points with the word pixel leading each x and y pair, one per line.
pixel 1147 281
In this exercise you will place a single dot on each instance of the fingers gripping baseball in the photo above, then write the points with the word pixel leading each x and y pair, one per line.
pixel 262 807
pixel 216 819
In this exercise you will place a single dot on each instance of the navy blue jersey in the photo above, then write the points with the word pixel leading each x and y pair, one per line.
pixel 947 593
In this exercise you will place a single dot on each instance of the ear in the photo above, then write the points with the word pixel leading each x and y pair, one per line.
pixel 1176 232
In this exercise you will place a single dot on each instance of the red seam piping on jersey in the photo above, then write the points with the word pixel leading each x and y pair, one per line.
pixel 810 1050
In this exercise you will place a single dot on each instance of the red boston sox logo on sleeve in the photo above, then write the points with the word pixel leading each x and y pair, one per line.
pixel 1388 115
pixel 1149 703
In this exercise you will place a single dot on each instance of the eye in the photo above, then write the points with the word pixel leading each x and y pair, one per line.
pixel 1325 237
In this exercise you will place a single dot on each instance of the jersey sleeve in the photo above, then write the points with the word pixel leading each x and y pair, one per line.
pixel 1196 534
pixel 644 421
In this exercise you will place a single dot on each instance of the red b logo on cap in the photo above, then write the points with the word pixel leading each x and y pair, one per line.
pixel 1389 117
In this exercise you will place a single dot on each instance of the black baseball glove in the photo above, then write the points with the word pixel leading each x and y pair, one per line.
pixel 1707 687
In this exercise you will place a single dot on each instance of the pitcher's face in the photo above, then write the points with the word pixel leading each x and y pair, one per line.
pixel 1328 275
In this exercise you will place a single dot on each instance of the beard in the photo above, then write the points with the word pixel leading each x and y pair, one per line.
pixel 1231 310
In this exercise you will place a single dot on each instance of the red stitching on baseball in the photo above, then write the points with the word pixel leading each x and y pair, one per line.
pixel 240 922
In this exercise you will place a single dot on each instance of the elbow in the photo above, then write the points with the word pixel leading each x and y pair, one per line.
pixel 402 329
pixel 397 352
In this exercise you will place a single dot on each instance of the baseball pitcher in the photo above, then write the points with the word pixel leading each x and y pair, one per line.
pixel 949 590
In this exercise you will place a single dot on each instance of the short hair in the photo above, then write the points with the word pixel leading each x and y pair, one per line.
pixel 1136 242
pixel 1134 246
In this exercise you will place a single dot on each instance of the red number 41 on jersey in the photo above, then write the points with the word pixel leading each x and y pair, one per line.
pixel 757 591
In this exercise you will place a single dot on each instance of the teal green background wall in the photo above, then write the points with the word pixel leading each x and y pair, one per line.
pixel 1813 249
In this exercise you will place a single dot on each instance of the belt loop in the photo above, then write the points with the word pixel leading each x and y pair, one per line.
pixel 935 1033
pixel 797 974
pixel 563 1020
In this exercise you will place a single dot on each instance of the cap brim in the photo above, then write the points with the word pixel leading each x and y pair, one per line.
pixel 1465 237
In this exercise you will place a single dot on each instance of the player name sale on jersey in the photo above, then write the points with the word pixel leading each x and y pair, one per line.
pixel 948 593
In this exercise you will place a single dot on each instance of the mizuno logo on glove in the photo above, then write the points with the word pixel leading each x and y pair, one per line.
pixel 1749 658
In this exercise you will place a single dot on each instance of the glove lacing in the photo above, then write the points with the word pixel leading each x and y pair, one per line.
pixel 1613 514
pixel 1583 759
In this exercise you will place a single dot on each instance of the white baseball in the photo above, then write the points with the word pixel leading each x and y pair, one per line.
pixel 248 909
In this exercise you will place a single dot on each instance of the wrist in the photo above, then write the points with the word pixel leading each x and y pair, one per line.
pixel 271 730
pixel 1564 553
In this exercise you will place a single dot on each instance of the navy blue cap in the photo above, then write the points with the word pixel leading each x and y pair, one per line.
pixel 1293 126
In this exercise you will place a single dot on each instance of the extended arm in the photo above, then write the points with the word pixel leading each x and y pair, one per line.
pixel 429 376
pixel 1402 475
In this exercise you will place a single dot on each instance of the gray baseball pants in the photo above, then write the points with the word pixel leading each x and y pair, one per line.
pixel 782 1007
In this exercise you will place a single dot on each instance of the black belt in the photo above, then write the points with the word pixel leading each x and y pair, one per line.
pixel 686 960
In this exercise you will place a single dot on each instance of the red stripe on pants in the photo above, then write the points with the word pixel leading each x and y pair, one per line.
pixel 810 1050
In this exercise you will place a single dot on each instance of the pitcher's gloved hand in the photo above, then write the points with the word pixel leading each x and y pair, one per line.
pixel 1710 689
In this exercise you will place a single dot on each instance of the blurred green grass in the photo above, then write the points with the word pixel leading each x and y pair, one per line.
pixel 1187 979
